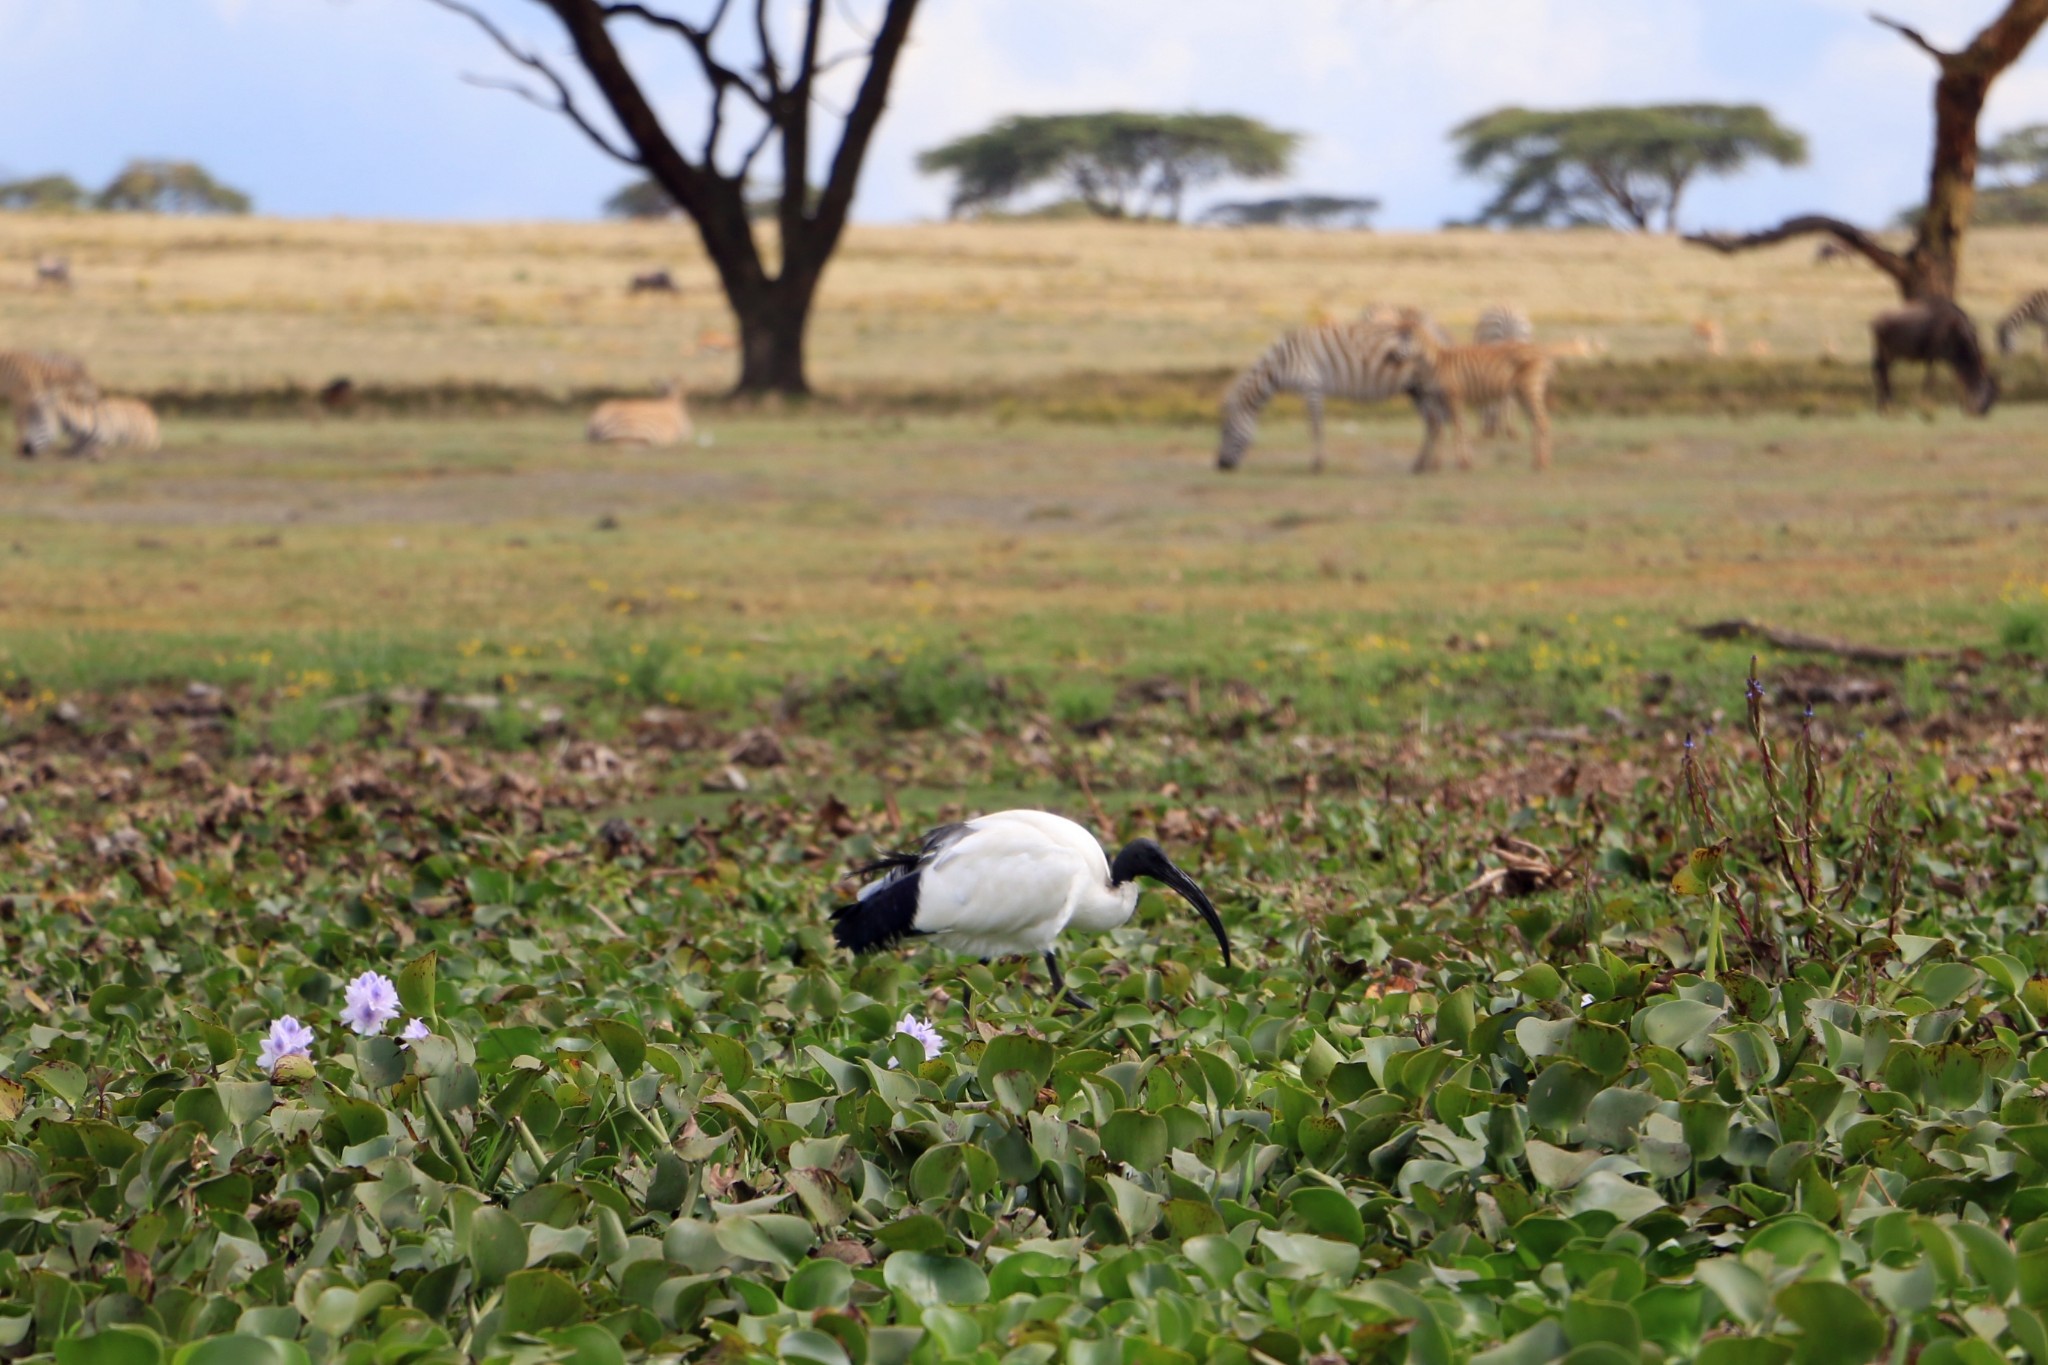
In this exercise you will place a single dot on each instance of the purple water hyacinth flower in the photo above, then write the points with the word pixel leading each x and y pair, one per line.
pixel 924 1033
pixel 288 1037
pixel 415 1029
pixel 371 1003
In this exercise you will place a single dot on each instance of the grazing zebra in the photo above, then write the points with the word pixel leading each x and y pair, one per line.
pixel 84 423
pixel 1500 322
pixel 1364 360
pixel 2031 310
pixel 1482 375
pixel 662 421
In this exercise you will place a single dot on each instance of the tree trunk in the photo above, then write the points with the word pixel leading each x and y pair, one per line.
pixel 773 324
pixel 1931 268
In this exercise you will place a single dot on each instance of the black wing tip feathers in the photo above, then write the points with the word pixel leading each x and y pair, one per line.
pixel 880 919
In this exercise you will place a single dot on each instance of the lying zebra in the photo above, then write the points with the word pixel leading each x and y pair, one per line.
pixel 79 422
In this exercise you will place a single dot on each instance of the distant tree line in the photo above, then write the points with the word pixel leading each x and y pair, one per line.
pixel 1618 166
pixel 143 186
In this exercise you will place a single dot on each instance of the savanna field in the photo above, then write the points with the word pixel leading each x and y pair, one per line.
pixel 1592 998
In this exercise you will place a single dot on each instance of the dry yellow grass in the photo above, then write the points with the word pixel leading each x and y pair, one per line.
pixel 241 303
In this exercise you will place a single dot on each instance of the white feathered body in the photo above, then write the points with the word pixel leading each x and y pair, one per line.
pixel 1008 884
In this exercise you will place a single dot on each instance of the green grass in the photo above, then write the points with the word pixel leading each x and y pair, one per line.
pixel 924 565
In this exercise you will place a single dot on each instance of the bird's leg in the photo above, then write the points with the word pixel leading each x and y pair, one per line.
pixel 1059 984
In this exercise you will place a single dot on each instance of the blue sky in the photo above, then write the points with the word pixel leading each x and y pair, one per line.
pixel 356 107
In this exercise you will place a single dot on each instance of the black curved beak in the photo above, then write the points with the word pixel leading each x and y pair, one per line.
pixel 1143 858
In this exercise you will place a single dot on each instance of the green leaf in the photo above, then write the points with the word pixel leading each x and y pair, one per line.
pixel 822 1283
pixel 62 1079
pixel 497 1246
pixel 1135 1138
pixel 1328 1213
pixel 1559 1095
pixel 1675 1023
pixel 628 1048
pixel 536 1300
pixel 1016 1052
pixel 1837 1324
pixel 416 986
pixel 927 1280
pixel 115 1345
pixel 241 1350
pixel 777 1238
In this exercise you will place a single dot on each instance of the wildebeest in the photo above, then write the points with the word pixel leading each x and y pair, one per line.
pixel 1932 331
pixel 339 394
pixel 54 271
pixel 654 282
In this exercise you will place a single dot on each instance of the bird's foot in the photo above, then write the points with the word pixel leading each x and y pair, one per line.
pixel 1077 1000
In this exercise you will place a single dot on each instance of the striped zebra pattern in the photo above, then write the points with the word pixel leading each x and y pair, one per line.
pixel 79 422
pixel 1483 375
pixel 24 374
pixel 1363 360
pixel 662 421
pixel 1503 322
pixel 1500 322
pixel 2029 311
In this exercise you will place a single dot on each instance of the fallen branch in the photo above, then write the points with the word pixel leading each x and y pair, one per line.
pixel 1742 628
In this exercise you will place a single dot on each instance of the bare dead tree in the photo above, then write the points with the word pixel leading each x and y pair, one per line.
pixel 1930 266
pixel 776 95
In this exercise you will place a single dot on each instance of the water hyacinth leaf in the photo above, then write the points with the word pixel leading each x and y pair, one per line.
pixel 1676 1023
pixel 536 1300
pixel 1539 981
pixel 1601 1048
pixel 1536 1345
pixel 812 1348
pixel 1328 1213
pixel 1544 1037
pixel 928 1280
pixel 1741 1290
pixel 779 1239
pixel 1300 1255
pixel 1135 1138
pixel 735 1064
pixel 497 1246
pixel 13 1099
pixel 114 1345
pixel 1016 1052
pixel 1615 1194
pixel 415 982
pixel 1837 1324
pixel 65 1080
pixel 821 1283
pixel 624 1043
pixel 241 1350
pixel 1559 1095
pixel 1744 1351
pixel 586 1344
pixel 380 1062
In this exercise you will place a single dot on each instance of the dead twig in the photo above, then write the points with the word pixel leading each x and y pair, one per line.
pixel 1742 628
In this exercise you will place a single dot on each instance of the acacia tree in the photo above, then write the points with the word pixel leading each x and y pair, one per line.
pixel 1121 165
pixel 169 187
pixel 774 94
pixel 1618 165
pixel 1930 266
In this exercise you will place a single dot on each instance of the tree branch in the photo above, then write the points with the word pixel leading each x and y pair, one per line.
pixel 564 103
pixel 1853 237
pixel 1913 36
pixel 699 39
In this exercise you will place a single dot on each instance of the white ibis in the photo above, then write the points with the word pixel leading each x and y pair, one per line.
pixel 1006 884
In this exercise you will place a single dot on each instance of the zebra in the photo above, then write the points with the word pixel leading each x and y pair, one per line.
pixel 2031 310
pixel 1364 360
pixel 1500 322
pixel 84 423
pixel 24 375
pixel 663 421
pixel 1487 375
